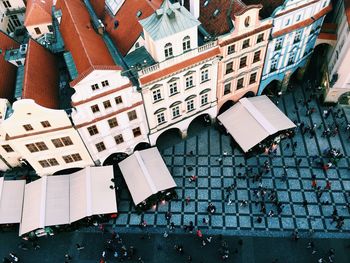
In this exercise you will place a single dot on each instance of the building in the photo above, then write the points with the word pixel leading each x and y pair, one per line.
pixel 181 84
pixel 12 15
pixel 336 79
pixel 35 126
pixel 38 18
pixel 108 110
pixel 296 25
pixel 8 157
pixel 242 38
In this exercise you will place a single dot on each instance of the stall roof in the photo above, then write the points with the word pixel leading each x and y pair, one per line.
pixel 11 200
pixel 63 199
pixel 145 174
pixel 251 120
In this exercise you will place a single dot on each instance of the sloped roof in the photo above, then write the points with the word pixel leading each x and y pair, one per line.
pixel 214 14
pixel 269 6
pixel 38 12
pixel 129 28
pixel 168 20
pixel 41 77
pixel 86 46
pixel 99 7
pixel 8 71
pixel 347 10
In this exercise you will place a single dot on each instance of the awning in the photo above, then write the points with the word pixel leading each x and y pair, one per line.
pixel 11 200
pixel 251 120
pixel 63 199
pixel 146 174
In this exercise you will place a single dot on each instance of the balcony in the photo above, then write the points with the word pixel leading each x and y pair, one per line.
pixel 15 11
pixel 16 54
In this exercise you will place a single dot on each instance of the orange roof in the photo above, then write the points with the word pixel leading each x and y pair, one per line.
pixel 99 7
pixel 129 29
pixel 86 46
pixel 38 12
pixel 7 70
pixel 347 9
pixel 41 76
pixel 160 74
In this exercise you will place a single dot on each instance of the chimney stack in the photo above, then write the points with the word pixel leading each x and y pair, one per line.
pixel 195 8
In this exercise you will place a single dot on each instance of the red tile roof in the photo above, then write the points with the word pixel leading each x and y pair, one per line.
pixel 38 12
pixel 41 77
pixel 347 10
pixel 268 6
pixel 86 46
pixel 219 24
pixel 99 7
pixel 129 29
pixel 160 74
pixel 7 70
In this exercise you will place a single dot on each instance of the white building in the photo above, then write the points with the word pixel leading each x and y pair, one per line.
pixel 108 110
pixel 35 127
pixel 12 15
pixel 181 85
pixel 337 79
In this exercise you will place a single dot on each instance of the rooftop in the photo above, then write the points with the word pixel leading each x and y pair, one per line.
pixel 124 27
pixel 41 78
pixel 168 20
pixel 8 71
pixel 139 58
pixel 85 45
pixel 269 6
pixel 38 12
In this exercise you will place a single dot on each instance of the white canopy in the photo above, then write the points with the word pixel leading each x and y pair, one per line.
pixel 146 174
pixel 63 199
pixel 11 200
pixel 251 120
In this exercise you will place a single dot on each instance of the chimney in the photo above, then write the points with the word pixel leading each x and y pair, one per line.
pixel 194 8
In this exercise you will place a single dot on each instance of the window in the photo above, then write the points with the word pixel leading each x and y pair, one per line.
pixel 173 88
pixel 287 22
pixel 298 18
pixel 240 83
pixel 32 148
pixel 227 88
pixel 243 62
pixel 19 63
pixel 231 49
pixel 168 50
pixel 245 43
pixel 119 139
pixel 35 147
pixel 28 127
pixel 204 99
pixel 273 66
pixel 252 78
pixel 60 142
pixel 95 108
pixel 45 124
pixel 75 157
pixel 100 146
pixel 256 57
pixel 189 82
pixel 41 146
pixel 44 163
pixel 204 75
pixel 52 161
pixel 139 13
pixel 186 43
pixel 15 20
pixel 136 131
pixel 118 100
pixel 157 95
pixel 175 111
pixel 229 67
pixel 107 104
pixel 105 83
pixel 95 87
pixel 37 30
pixel 278 44
pixel 50 28
pixel 160 118
pixel 92 130
pixel 247 21
pixel 291 58
pixel 7 148
pixel 297 36
pixel 113 122
pixel 48 162
pixel 7 4
pixel 132 115
pixel 260 38
pixel 190 105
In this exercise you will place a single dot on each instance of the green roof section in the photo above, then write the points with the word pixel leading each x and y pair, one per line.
pixel 72 69
pixel 19 82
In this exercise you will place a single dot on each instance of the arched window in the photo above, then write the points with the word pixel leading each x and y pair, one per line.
pixel 168 50
pixel 247 21
pixel 186 43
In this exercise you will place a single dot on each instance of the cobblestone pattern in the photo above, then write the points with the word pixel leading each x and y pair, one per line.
pixel 209 145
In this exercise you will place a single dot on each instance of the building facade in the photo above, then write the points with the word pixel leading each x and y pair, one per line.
pixel 296 25
pixel 12 15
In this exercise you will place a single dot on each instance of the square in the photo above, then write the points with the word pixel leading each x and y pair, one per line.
pixel 297 196
pixel 313 210
pixel 230 221
pixel 273 223
pixel 215 182
pixel 299 210
pixel 176 206
pixel 202 182
pixel 216 221
pixel 283 196
pixel 242 195
pixel 178 160
pixel 287 223
pixel 302 223
pixel 244 221
pixel 202 161
pixel 317 223
pixel 203 194
pixel 216 195
pixel 294 184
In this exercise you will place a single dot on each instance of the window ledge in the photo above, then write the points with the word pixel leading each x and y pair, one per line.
pixel 191 110
pixel 155 101
pixel 205 81
pixel 190 87
pixel 174 94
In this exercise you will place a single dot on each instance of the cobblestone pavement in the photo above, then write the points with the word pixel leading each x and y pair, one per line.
pixel 208 145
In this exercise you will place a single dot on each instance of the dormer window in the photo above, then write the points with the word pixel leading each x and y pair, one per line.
pixel 216 12
pixel 186 43
pixel 168 51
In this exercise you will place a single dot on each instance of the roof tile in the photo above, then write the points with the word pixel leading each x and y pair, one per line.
pixel 38 12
